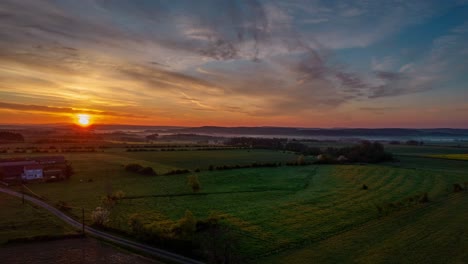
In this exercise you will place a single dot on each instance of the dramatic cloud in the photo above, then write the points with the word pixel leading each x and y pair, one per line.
pixel 61 110
pixel 220 61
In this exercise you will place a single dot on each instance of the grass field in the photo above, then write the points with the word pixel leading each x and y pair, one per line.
pixel 425 150
pixel 271 208
pixel 26 221
pixel 435 234
pixel 451 156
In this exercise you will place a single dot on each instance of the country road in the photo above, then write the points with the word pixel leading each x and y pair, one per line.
pixel 159 253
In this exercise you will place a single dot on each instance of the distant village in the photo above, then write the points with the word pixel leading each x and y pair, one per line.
pixel 41 168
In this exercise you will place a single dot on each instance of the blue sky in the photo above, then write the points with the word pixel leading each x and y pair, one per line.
pixel 284 63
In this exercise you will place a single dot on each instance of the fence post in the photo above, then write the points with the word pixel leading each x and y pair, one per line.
pixel 83 226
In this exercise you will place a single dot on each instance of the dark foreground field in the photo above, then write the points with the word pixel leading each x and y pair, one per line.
pixel 68 251
pixel 433 234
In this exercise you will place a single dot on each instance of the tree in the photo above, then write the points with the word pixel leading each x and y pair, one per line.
pixel 300 160
pixel 152 137
pixel 133 167
pixel 2 173
pixel 187 225
pixel 7 136
pixel 100 216
pixel 68 171
pixel 118 195
pixel 194 183
pixel 147 171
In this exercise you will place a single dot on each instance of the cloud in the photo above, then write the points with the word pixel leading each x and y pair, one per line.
pixel 62 110
pixel 256 58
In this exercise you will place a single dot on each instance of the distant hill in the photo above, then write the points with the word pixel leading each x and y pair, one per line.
pixel 341 132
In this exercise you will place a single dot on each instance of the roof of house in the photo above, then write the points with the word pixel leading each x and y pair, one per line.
pixel 12 170
pixel 17 163
pixel 48 159
pixel 33 167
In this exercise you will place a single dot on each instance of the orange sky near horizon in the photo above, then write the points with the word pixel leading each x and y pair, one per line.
pixel 351 120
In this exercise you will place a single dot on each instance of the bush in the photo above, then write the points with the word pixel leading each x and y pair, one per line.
pixel 174 172
pixel 186 226
pixel 63 206
pixel 147 171
pixel 117 195
pixel 194 183
pixel 137 168
pixel 100 216
pixel 457 187
pixel 133 167
pixel 424 198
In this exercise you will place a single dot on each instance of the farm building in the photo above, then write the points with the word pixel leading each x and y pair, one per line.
pixel 36 168
pixel 32 172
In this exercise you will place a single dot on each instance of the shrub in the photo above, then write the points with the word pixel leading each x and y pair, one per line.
pixel 186 226
pixel 63 206
pixel 117 195
pixel 133 167
pixel 424 198
pixel 194 183
pixel 147 171
pixel 100 216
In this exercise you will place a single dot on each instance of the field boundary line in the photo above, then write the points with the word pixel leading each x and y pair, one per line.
pixel 202 194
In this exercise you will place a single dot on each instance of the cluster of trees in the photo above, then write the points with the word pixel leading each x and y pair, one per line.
pixel 366 152
pixel 51 149
pixel 179 149
pixel 263 143
pixel 409 142
pixel 6 136
pixel 152 137
pixel 176 235
pixel 178 171
pixel 137 168
pixel 301 148
pixel 209 238
pixel 171 146
pixel 149 171
pixel 252 165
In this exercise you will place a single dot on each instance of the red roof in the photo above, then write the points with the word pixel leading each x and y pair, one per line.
pixel 33 167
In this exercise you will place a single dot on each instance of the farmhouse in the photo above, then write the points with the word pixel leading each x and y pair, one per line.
pixel 35 168
pixel 32 172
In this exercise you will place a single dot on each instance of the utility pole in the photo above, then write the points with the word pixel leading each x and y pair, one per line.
pixel 82 211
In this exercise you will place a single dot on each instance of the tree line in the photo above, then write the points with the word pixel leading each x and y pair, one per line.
pixel 11 136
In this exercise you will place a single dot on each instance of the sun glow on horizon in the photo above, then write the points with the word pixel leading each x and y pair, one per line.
pixel 83 120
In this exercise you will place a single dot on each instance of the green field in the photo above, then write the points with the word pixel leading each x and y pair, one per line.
pixel 26 221
pixel 450 156
pixel 269 208
pixel 435 234
pixel 425 150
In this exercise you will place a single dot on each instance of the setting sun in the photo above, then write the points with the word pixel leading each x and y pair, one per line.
pixel 84 120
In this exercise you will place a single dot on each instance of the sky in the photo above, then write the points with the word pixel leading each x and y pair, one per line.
pixel 296 63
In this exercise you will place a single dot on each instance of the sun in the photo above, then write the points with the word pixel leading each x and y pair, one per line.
pixel 83 120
